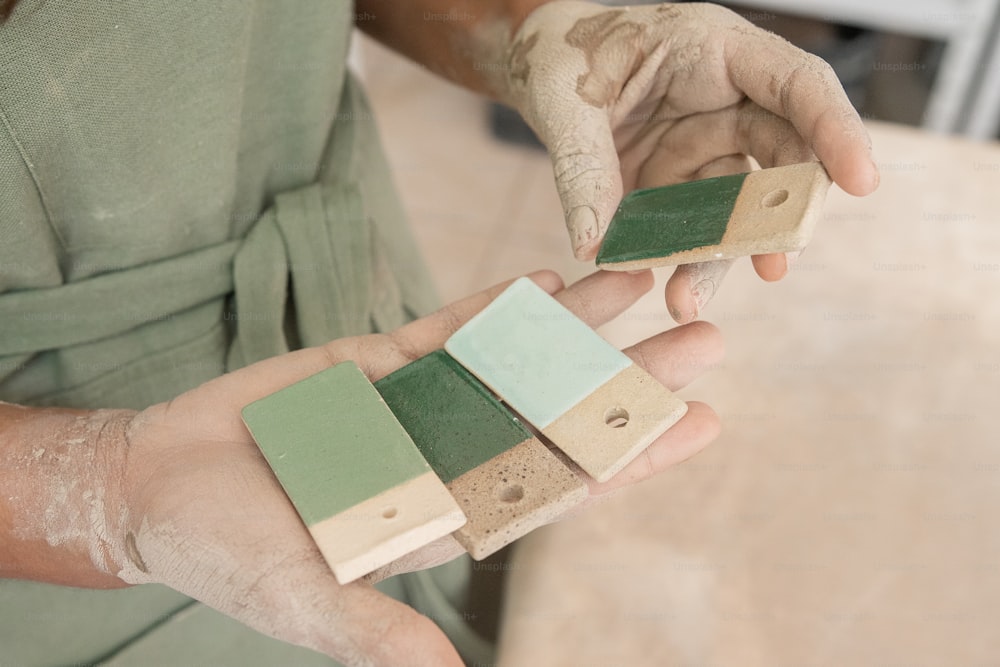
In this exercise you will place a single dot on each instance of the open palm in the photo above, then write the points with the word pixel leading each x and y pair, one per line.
pixel 206 516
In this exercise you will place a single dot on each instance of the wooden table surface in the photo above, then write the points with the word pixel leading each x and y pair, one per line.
pixel 850 512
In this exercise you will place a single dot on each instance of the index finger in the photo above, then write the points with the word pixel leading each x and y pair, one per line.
pixel 805 90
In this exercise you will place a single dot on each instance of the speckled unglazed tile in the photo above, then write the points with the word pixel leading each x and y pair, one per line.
pixel 504 479
pixel 765 211
pixel 582 393
pixel 353 474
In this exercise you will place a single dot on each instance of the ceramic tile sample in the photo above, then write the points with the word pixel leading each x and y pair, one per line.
pixel 354 475
pixel 582 393
pixel 505 480
pixel 765 211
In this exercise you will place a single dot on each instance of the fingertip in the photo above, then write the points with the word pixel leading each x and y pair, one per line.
pixel 846 152
pixel 584 231
pixel 643 278
pixel 420 642
pixel 438 650
pixel 860 177
pixel 692 286
pixel 770 268
pixel 379 631
pixel 699 426
pixel 839 138
pixel 696 430
pixel 548 280
pixel 681 303
pixel 635 283
pixel 708 420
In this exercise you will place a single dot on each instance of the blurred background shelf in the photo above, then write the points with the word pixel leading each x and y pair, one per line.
pixel 963 94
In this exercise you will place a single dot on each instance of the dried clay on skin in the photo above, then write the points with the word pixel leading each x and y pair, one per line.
pixel 66 504
pixel 614 57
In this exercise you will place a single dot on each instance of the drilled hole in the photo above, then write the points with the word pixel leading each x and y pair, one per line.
pixel 389 513
pixel 774 198
pixel 511 494
pixel 616 417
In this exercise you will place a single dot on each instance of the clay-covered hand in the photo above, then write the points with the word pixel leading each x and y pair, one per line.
pixel 635 97
pixel 180 494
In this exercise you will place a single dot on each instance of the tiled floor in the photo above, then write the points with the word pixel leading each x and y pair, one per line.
pixel 848 514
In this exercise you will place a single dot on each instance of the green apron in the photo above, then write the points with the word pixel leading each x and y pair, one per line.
pixel 185 188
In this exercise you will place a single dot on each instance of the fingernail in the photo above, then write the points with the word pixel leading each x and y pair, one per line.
pixel 582 225
pixel 703 292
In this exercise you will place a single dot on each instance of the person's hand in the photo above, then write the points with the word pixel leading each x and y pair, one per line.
pixel 198 509
pixel 627 98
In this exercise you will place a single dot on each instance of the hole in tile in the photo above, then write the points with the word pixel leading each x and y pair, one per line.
pixel 616 417
pixel 389 513
pixel 774 198
pixel 512 493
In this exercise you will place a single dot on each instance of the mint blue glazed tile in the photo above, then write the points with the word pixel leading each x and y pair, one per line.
pixel 535 353
pixel 582 393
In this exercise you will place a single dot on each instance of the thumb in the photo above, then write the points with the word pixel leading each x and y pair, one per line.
pixel 551 81
pixel 692 286
pixel 587 173
pixel 367 627
pixel 283 588
pixel 297 600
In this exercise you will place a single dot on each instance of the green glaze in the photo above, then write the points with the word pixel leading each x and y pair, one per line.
pixel 456 423
pixel 332 442
pixel 658 222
